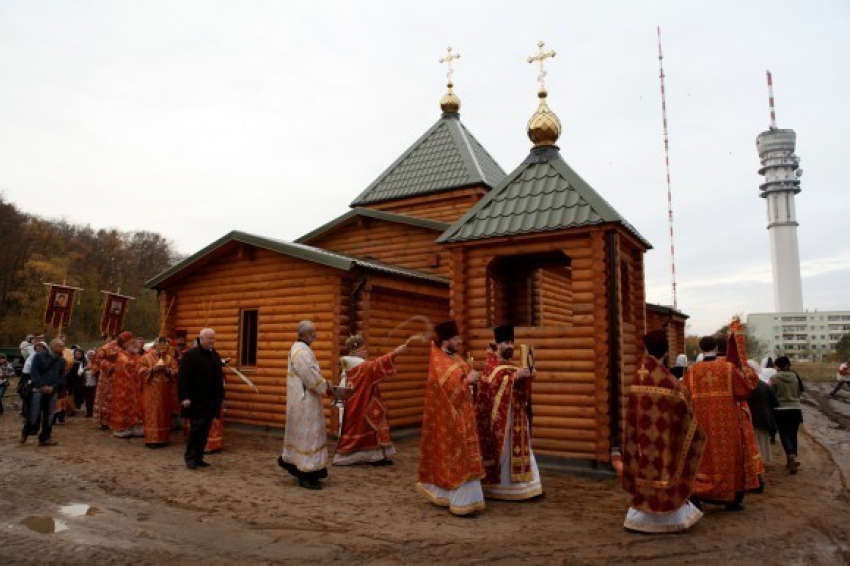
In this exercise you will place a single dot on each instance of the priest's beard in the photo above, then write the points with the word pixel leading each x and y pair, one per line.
pixel 506 353
pixel 451 350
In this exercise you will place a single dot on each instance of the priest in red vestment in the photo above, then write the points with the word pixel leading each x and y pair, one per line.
pixel 450 466
pixel 101 368
pixel 125 417
pixel 365 431
pixel 502 401
pixel 662 446
pixel 718 389
pixel 157 371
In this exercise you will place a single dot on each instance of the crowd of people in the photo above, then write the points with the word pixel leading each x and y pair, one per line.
pixel 702 435
pixel 124 387
pixel 695 434
pixel 476 428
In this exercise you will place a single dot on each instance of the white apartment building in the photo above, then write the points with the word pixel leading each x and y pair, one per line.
pixel 810 335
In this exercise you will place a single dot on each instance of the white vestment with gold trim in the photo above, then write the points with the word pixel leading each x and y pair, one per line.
pixel 305 437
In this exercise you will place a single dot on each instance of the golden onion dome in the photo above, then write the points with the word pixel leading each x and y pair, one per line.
pixel 450 103
pixel 544 128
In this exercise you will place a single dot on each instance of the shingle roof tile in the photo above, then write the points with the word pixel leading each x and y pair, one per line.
pixel 445 157
pixel 542 194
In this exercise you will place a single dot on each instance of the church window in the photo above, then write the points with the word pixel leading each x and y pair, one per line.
pixel 248 337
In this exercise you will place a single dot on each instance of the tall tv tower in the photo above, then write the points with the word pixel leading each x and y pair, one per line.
pixel 780 167
pixel 667 165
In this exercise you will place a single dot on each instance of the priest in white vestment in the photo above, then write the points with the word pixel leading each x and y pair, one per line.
pixel 305 452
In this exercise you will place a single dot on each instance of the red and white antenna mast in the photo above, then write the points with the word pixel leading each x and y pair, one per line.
pixel 667 164
pixel 770 95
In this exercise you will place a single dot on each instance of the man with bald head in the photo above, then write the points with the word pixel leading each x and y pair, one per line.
pixel 305 451
pixel 200 382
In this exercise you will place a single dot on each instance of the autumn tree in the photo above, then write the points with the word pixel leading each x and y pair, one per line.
pixel 36 251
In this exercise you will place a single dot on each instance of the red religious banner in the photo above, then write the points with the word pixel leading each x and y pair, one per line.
pixel 114 310
pixel 60 305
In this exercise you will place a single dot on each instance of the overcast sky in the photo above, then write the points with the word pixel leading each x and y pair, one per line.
pixel 193 119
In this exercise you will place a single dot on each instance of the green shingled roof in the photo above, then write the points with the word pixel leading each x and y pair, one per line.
pixel 447 156
pixel 542 194
pixel 301 251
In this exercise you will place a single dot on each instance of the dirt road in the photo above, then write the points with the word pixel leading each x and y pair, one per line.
pixel 146 507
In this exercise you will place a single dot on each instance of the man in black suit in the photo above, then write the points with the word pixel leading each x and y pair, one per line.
pixel 200 382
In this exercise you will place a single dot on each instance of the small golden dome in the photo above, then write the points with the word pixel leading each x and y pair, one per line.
pixel 450 103
pixel 544 128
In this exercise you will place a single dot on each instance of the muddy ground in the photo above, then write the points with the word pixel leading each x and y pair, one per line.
pixel 143 506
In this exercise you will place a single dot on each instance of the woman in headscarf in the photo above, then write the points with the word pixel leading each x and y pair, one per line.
pixel 762 402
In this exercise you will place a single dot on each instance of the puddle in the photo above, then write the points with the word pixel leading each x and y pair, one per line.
pixel 45 525
pixel 79 510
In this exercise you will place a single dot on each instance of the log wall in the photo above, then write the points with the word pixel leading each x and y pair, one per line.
pixel 285 291
pixel 391 317
pixel 631 291
pixel 659 318
pixel 554 297
pixel 390 242
pixel 571 343
pixel 565 421
pixel 446 206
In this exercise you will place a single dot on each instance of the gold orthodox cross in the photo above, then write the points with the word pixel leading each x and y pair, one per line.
pixel 448 60
pixel 539 58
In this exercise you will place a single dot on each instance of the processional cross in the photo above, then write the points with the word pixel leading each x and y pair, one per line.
pixel 539 58
pixel 448 60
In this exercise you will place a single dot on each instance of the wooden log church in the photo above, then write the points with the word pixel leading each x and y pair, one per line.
pixel 442 233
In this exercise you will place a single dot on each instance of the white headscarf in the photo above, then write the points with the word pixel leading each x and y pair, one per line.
pixel 766 373
pixel 681 361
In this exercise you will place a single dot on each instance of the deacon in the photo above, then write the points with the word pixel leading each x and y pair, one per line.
pixel 365 435
pixel 305 452
pixel 662 446
pixel 450 466
pixel 718 388
pixel 157 371
pixel 502 407
pixel 125 416
pixel 200 384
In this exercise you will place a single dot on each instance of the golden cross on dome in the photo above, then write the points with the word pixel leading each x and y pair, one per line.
pixel 539 58
pixel 448 60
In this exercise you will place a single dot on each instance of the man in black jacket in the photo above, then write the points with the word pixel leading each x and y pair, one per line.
pixel 201 389
pixel 47 369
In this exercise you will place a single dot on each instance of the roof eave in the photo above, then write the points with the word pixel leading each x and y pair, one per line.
pixel 548 232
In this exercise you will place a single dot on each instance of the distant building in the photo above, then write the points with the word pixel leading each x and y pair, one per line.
pixel 800 335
